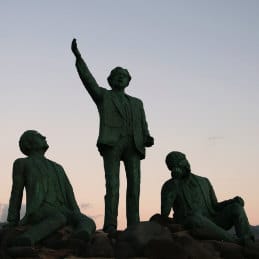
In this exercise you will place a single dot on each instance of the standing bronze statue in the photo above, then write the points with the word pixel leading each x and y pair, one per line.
pixel 123 136
pixel 50 201
pixel 195 205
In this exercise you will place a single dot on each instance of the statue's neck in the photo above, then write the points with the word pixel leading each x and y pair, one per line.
pixel 119 91
pixel 38 154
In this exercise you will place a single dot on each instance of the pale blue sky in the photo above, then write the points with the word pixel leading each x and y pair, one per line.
pixel 194 64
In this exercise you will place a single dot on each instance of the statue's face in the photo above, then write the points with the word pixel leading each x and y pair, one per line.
pixel 177 172
pixel 178 169
pixel 119 79
pixel 38 141
pixel 178 164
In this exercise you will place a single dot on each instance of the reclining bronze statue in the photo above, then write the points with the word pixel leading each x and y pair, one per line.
pixel 50 201
pixel 195 205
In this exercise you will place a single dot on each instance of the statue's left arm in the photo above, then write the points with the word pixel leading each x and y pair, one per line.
pixel 70 197
pixel 149 140
pixel 17 192
pixel 220 205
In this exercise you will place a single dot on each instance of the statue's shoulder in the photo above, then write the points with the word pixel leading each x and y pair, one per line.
pixel 20 164
pixel 21 161
pixel 135 99
pixel 168 185
pixel 199 178
pixel 106 91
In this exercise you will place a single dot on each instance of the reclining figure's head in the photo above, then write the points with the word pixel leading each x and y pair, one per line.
pixel 177 164
pixel 32 142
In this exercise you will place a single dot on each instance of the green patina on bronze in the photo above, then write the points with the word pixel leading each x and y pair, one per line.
pixel 123 136
pixel 195 205
pixel 50 201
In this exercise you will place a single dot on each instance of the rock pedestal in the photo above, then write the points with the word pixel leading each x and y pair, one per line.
pixel 155 239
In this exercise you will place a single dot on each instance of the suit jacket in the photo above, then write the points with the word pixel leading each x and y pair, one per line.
pixel 26 174
pixel 172 196
pixel 111 112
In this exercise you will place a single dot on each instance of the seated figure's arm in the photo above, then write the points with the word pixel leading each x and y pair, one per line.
pixel 220 205
pixel 17 192
pixel 168 195
pixel 70 197
pixel 236 199
pixel 86 77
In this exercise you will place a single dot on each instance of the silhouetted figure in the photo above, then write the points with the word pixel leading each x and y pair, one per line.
pixel 195 205
pixel 123 136
pixel 50 201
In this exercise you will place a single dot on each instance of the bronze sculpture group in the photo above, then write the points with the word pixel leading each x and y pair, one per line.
pixel 123 136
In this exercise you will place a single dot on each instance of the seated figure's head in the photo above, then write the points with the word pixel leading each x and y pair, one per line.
pixel 119 78
pixel 177 164
pixel 32 141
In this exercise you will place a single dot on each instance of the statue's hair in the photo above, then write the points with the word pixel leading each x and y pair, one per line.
pixel 109 78
pixel 25 141
pixel 175 157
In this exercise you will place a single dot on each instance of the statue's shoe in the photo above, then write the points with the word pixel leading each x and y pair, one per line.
pixel 110 230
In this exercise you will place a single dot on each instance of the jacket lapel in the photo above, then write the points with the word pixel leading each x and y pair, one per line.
pixel 205 194
pixel 117 103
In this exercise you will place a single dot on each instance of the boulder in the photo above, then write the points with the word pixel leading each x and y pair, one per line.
pixel 100 245
pixel 135 238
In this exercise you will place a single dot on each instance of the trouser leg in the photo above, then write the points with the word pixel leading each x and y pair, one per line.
pixel 199 221
pixel 84 226
pixel 132 167
pixel 43 228
pixel 234 215
pixel 111 167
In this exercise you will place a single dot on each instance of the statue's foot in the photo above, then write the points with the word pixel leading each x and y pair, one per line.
pixel 110 229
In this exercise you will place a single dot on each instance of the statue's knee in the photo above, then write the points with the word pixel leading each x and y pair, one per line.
pixel 85 227
pixel 90 222
pixel 236 209
pixel 87 221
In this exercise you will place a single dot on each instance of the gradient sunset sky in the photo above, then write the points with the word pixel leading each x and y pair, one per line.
pixel 195 65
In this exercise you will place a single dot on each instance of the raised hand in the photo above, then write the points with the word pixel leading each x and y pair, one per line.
pixel 74 48
pixel 149 141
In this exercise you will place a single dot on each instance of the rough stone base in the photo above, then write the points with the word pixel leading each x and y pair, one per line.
pixel 156 239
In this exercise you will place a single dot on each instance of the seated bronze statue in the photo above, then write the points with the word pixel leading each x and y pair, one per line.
pixel 50 201
pixel 195 205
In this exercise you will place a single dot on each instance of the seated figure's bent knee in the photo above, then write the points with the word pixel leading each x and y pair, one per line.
pixel 236 209
pixel 85 228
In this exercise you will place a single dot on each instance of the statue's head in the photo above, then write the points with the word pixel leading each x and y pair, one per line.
pixel 32 141
pixel 178 164
pixel 119 78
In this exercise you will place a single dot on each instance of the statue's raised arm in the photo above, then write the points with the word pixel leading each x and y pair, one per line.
pixel 87 78
pixel 123 136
